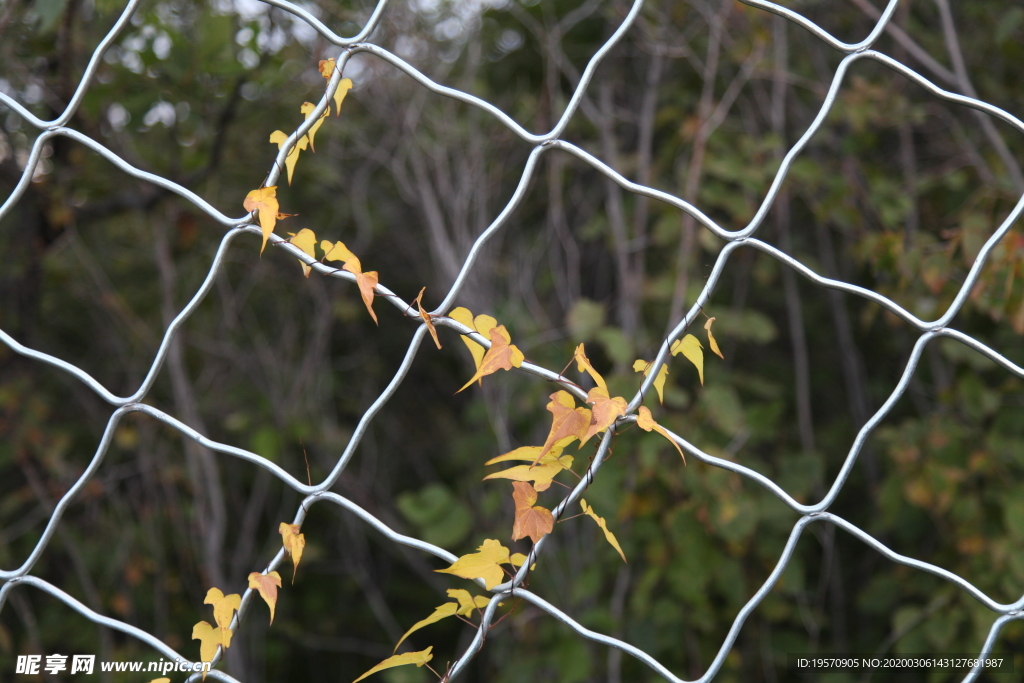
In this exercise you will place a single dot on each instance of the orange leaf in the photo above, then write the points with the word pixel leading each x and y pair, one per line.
pixel 646 422
pixel 326 67
pixel 294 543
pixel 224 607
pixel 366 283
pixel 531 520
pixel 426 317
pixel 264 201
pixel 711 339
pixel 605 411
pixel 267 585
pixel 305 240
pixel 503 355
pixel 568 423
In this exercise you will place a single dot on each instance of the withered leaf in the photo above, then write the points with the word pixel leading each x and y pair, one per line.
pixel 426 318
pixel 503 355
pixel 568 422
pixel 605 410
pixel 294 543
pixel 365 281
pixel 267 585
pixel 531 520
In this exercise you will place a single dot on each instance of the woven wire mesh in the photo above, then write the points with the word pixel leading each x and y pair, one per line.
pixel 541 143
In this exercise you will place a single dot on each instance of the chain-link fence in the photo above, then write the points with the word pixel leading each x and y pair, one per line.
pixel 550 142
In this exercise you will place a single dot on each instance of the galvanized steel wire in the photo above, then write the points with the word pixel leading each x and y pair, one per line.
pixel 542 143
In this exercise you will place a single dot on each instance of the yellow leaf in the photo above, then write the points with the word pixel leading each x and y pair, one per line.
pixel 224 607
pixel 568 422
pixel 646 422
pixel 484 564
pixel 267 585
pixel 279 138
pixel 691 347
pixel 326 67
pixel 531 520
pixel 605 411
pixel 503 355
pixel 711 339
pixel 609 536
pixel 307 108
pixel 518 559
pixel 541 475
pixel 294 543
pixel 160 680
pixel 426 318
pixel 445 610
pixel 468 603
pixel 530 453
pixel 484 324
pixel 464 316
pixel 659 381
pixel 264 201
pixel 583 363
pixel 209 640
pixel 305 240
pixel 417 658
pixel 336 252
pixel 344 85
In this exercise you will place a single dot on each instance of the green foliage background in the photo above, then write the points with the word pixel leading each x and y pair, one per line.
pixel 896 193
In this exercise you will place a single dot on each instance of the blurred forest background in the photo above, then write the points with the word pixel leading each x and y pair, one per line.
pixel 702 98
